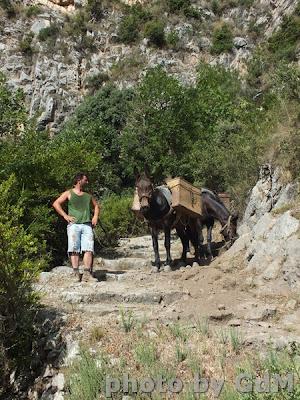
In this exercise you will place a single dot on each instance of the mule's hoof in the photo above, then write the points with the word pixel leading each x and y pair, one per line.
pixel 154 270
pixel 167 268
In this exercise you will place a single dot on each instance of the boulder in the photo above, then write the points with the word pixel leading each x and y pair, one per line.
pixel 264 194
pixel 240 42
pixel 38 25
pixel 285 226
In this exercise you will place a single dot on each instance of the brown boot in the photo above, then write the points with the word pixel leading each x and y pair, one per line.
pixel 88 277
pixel 76 274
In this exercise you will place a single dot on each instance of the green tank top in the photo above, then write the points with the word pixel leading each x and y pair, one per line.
pixel 79 207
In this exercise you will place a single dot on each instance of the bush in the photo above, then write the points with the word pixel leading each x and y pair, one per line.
pixel 32 11
pixel 173 40
pixel 132 23
pixel 178 5
pixel 20 260
pixel 246 3
pixel 129 29
pixel 8 7
pixel 284 43
pixel 154 31
pixel 222 39
pixel 26 44
pixel 95 9
pixel 117 220
pixel 95 82
pixel 50 32
pixel 13 116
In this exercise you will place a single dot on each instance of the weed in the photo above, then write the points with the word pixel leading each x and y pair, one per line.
pixel 181 353
pixel 223 336
pixel 203 327
pixel 97 333
pixel 178 331
pixel 146 355
pixel 236 340
pixel 128 320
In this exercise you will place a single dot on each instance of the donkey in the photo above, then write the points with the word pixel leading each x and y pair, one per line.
pixel 213 208
pixel 160 216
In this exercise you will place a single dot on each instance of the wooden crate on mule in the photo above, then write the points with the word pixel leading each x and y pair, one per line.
pixel 186 198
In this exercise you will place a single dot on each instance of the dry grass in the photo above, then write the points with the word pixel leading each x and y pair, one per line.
pixel 174 351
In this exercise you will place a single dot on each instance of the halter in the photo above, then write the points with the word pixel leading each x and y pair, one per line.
pixel 227 225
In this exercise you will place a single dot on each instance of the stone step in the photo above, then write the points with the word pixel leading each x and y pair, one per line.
pixel 122 264
pixel 118 293
pixel 107 309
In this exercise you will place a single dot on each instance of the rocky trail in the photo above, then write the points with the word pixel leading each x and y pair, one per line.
pixel 248 295
pixel 223 292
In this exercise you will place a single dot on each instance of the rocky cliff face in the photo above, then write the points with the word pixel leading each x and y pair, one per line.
pixel 54 74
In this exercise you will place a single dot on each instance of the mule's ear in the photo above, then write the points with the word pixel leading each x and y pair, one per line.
pixel 147 170
pixel 235 216
pixel 136 172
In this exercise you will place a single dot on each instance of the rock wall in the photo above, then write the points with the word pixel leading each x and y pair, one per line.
pixel 270 234
pixel 54 79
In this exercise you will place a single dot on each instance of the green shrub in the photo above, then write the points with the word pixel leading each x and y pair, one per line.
pixel 26 44
pixel 284 43
pixel 50 32
pixel 222 39
pixel 20 261
pixel 218 7
pixel 246 3
pixel 129 29
pixel 173 40
pixel 128 67
pixel 77 24
pixel 117 220
pixel 95 82
pixel 178 5
pixel 8 7
pixel 32 11
pixel 132 23
pixel 154 31
pixel 13 114
pixel 191 12
pixel 95 9
pixel 86 378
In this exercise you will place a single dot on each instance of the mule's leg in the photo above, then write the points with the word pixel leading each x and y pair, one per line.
pixel 168 245
pixel 209 237
pixel 154 233
pixel 192 233
pixel 184 240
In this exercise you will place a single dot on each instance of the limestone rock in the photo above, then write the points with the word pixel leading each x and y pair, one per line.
pixel 240 42
pixel 59 381
pixel 38 25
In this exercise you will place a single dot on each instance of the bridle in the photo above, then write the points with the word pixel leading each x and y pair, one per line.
pixel 145 195
pixel 227 225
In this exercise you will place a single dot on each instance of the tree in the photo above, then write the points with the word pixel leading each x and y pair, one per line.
pixel 160 127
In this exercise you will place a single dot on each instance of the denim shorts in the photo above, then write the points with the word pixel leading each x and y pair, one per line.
pixel 80 238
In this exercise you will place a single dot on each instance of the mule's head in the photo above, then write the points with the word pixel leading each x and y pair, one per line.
pixel 229 230
pixel 144 188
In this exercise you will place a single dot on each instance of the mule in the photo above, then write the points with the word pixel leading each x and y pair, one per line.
pixel 156 209
pixel 214 209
